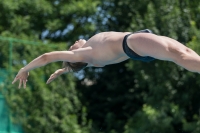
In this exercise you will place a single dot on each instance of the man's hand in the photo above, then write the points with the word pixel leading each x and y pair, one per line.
pixel 22 77
pixel 56 74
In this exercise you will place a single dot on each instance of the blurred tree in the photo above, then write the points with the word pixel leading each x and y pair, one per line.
pixel 57 20
pixel 137 97
pixel 55 108
pixel 128 97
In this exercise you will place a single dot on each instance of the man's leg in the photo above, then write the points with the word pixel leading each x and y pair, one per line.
pixel 164 48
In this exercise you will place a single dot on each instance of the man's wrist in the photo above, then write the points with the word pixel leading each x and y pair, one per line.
pixel 23 69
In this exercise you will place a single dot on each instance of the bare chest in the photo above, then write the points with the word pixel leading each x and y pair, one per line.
pixel 107 48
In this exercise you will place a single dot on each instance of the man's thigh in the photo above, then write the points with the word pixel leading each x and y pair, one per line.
pixel 159 47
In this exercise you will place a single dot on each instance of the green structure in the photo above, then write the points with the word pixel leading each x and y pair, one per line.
pixel 6 126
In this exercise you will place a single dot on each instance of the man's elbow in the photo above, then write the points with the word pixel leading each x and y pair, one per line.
pixel 45 58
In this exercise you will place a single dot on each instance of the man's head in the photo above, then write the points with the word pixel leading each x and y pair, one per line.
pixel 77 66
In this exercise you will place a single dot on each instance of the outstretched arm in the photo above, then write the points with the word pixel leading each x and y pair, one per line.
pixel 70 56
pixel 53 57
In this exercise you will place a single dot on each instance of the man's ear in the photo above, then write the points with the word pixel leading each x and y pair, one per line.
pixel 77 45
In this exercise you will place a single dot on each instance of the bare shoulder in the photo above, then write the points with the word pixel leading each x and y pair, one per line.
pixel 84 54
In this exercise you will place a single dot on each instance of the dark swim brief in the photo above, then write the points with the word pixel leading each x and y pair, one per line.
pixel 131 53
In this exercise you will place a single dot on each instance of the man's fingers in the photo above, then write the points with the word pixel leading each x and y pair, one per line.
pixel 51 79
pixel 48 81
pixel 14 80
pixel 24 83
pixel 20 83
pixel 55 75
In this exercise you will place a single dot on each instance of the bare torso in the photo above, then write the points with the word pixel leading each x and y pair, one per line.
pixel 107 48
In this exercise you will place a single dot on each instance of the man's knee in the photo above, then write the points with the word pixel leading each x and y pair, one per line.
pixel 177 54
pixel 182 55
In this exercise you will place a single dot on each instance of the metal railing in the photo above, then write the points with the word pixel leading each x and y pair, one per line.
pixel 12 40
pixel 4 72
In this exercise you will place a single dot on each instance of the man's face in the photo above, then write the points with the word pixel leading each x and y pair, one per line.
pixel 78 44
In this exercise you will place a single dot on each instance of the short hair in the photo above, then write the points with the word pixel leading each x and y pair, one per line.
pixel 74 67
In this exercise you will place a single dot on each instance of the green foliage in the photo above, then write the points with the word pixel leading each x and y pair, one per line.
pixel 130 97
pixel 54 108
pixel 146 97
pixel 54 16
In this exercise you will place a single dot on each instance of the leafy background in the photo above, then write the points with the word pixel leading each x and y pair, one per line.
pixel 130 97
